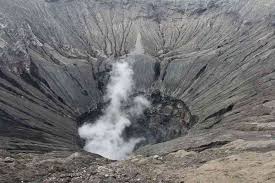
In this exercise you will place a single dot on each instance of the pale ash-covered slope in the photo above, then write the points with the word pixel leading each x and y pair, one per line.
pixel 224 72
pixel 217 57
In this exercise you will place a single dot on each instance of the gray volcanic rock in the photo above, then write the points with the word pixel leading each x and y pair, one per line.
pixel 217 57
pixel 239 161
pixel 208 68
pixel 166 119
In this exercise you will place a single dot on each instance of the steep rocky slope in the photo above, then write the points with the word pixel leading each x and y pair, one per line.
pixel 214 57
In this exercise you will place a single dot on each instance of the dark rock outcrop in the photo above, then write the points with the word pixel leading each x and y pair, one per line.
pixel 166 119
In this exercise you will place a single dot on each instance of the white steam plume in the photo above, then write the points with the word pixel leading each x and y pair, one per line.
pixel 104 137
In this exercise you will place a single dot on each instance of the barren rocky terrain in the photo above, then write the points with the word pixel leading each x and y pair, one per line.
pixel 208 68
pixel 238 161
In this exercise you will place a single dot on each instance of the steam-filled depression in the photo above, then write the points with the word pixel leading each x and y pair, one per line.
pixel 104 136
